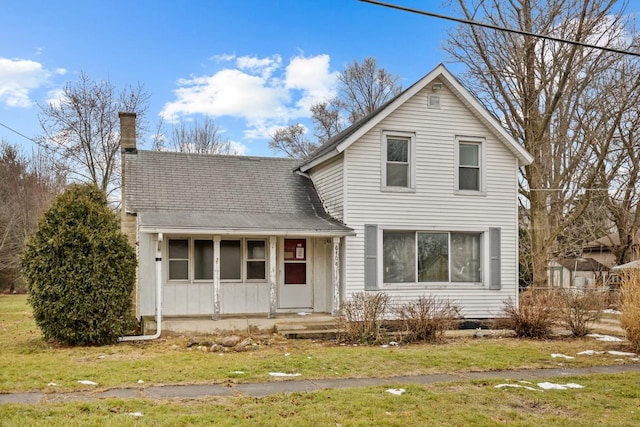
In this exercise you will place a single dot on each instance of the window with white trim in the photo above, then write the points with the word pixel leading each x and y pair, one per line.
pixel 470 159
pixel 431 256
pixel 179 259
pixel 398 158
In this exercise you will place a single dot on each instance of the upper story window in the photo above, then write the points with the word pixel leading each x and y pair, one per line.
pixel 470 158
pixel 398 162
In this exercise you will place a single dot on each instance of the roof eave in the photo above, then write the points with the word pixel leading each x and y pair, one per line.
pixel 244 231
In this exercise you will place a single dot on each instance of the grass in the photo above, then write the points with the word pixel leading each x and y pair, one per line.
pixel 605 400
pixel 27 363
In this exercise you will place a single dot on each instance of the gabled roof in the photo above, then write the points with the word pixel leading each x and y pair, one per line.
pixel 344 139
pixel 582 264
pixel 608 242
pixel 202 193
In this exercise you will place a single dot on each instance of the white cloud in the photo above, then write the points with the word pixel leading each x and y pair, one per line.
pixel 313 77
pixel 259 90
pixel 19 77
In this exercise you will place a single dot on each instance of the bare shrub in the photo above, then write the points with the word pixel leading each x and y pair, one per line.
pixel 362 317
pixel 427 318
pixel 630 306
pixel 580 310
pixel 534 317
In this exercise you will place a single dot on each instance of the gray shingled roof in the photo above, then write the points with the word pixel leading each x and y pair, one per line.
pixel 213 192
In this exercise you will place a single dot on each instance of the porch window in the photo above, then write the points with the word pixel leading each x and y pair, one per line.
pixel 179 259
pixel 230 260
pixel 203 259
pixel 256 260
pixel 419 257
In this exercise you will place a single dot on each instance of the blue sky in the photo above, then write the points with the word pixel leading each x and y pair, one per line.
pixel 252 65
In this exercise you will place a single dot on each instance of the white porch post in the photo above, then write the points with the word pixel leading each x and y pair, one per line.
pixel 272 277
pixel 335 275
pixel 216 278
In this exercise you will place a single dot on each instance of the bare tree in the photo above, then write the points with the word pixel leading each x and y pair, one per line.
pixel 363 88
pixel 291 141
pixel 82 129
pixel 544 92
pixel 27 187
pixel 193 137
pixel 326 116
pixel 622 172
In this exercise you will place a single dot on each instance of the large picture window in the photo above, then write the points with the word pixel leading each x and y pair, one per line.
pixel 419 257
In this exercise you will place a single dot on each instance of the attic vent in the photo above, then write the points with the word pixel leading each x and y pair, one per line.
pixel 434 101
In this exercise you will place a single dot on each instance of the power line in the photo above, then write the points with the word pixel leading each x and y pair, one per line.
pixel 495 27
pixel 18 133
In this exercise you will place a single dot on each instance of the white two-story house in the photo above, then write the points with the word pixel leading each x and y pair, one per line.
pixel 418 198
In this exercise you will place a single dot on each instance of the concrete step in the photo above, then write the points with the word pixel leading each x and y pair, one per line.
pixel 307 330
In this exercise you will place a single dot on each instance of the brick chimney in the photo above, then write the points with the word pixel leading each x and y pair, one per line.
pixel 127 132
pixel 127 147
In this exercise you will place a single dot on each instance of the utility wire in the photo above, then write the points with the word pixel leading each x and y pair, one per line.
pixel 18 133
pixel 495 27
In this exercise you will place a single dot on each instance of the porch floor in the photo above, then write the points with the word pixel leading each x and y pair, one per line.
pixel 288 324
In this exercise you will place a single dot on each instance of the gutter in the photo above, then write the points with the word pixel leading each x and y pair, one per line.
pixel 158 299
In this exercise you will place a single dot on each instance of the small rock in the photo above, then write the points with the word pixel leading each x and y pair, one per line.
pixel 193 341
pixel 215 348
pixel 243 345
pixel 230 341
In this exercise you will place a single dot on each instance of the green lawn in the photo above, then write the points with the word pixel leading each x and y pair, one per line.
pixel 27 363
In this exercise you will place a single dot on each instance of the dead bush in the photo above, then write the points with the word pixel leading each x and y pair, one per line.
pixel 427 318
pixel 580 310
pixel 534 317
pixel 630 306
pixel 362 318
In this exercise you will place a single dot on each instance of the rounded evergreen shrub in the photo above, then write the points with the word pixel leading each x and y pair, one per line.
pixel 80 270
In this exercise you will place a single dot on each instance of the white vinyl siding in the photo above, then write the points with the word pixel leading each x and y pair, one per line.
pixel 329 183
pixel 434 205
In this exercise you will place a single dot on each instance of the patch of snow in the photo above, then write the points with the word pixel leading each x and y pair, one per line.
pixel 238 372
pixel 564 356
pixel 282 374
pixel 552 386
pixel 396 391
pixel 87 382
pixel 611 311
pixel 589 353
pixel 385 346
pixel 517 386
pixel 287 354
pixel 140 382
pixel 393 343
pixel 608 338
pixel 302 313
pixel 620 353
pixel 135 414
pixel 52 385
pixel 100 357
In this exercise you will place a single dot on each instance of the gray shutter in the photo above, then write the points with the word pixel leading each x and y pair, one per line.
pixel 494 256
pixel 370 257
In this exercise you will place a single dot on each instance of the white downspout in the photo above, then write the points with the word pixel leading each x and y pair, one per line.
pixel 158 299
